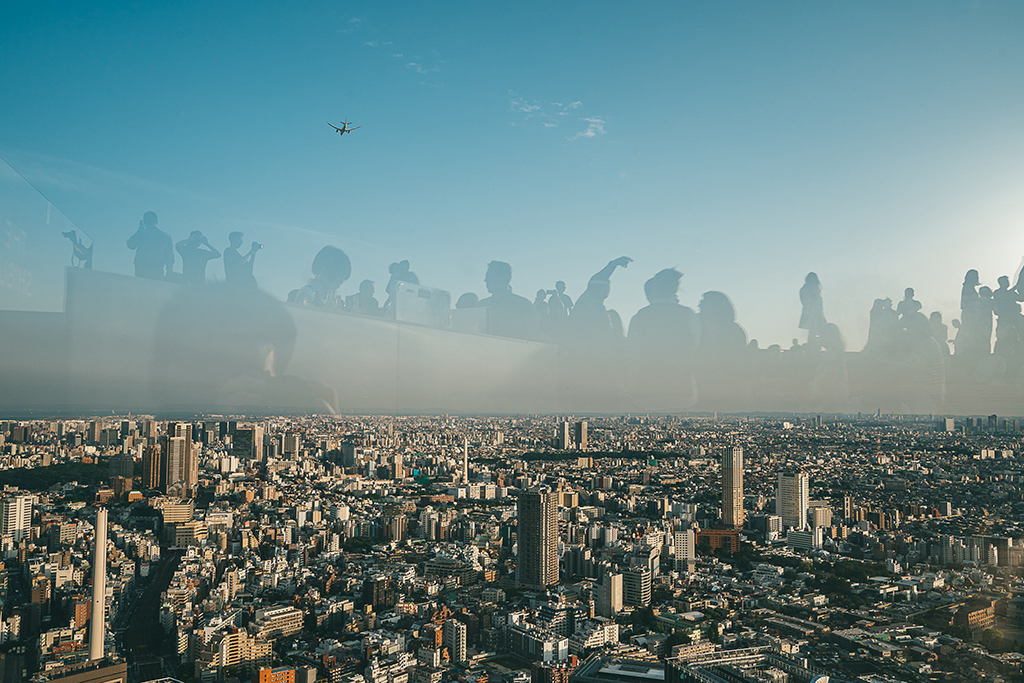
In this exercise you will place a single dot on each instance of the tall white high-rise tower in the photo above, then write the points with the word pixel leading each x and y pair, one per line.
pixel 99 587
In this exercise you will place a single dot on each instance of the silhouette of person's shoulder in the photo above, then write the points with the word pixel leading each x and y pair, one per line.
pixel 661 319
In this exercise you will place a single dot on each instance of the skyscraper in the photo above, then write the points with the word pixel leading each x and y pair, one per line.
pixel 176 461
pixel 732 488
pixel 793 499
pixel 581 435
pixel 247 444
pixel 16 516
pixel 97 622
pixel 537 537
pixel 563 437
pixel 95 429
pixel 152 467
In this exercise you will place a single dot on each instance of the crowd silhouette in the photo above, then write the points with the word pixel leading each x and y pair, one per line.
pixel 671 358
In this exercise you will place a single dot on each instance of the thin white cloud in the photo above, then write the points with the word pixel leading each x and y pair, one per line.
pixel 420 69
pixel 428 65
pixel 595 128
pixel 548 114
pixel 353 24
pixel 523 106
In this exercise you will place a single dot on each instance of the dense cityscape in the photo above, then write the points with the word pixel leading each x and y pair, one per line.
pixel 534 548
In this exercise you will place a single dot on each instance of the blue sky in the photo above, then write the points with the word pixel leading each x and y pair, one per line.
pixel 878 144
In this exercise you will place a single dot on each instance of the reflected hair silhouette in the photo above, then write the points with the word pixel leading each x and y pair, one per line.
pixel 330 268
pixel 664 285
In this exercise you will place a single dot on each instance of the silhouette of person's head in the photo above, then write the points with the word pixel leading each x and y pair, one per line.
pixel 235 239
pixel 195 236
pixel 331 268
pixel 400 271
pixel 541 295
pixel 971 278
pixel 663 286
pixel 498 278
pixel 1004 282
pixel 812 280
pixel 366 287
pixel 985 292
pixel 149 219
pixel 467 300
pixel 715 307
pixel 935 317
pixel 908 293
pixel 560 287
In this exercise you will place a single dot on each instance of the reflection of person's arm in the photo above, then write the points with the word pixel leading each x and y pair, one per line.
pixel 133 241
pixel 606 272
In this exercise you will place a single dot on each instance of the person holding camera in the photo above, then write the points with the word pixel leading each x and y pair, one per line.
pixel 154 253
pixel 195 252
pixel 238 268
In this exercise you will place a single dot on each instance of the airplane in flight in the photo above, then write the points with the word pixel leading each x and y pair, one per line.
pixel 344 127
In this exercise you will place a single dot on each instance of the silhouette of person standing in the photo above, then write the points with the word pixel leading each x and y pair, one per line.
pixel 1006 304
pixel 560 305
pixel 968 337
pixel 908 306
pixel 399 273
pixel 590 321
pixel 661 347
pixel 238 268
pixel 508 315
pixel 812 318
pixel 195 252
pixel 154 250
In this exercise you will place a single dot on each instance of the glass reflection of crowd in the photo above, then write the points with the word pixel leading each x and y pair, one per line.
pixel 670 358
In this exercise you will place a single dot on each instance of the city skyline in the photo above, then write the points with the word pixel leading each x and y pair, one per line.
pixel 361 536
